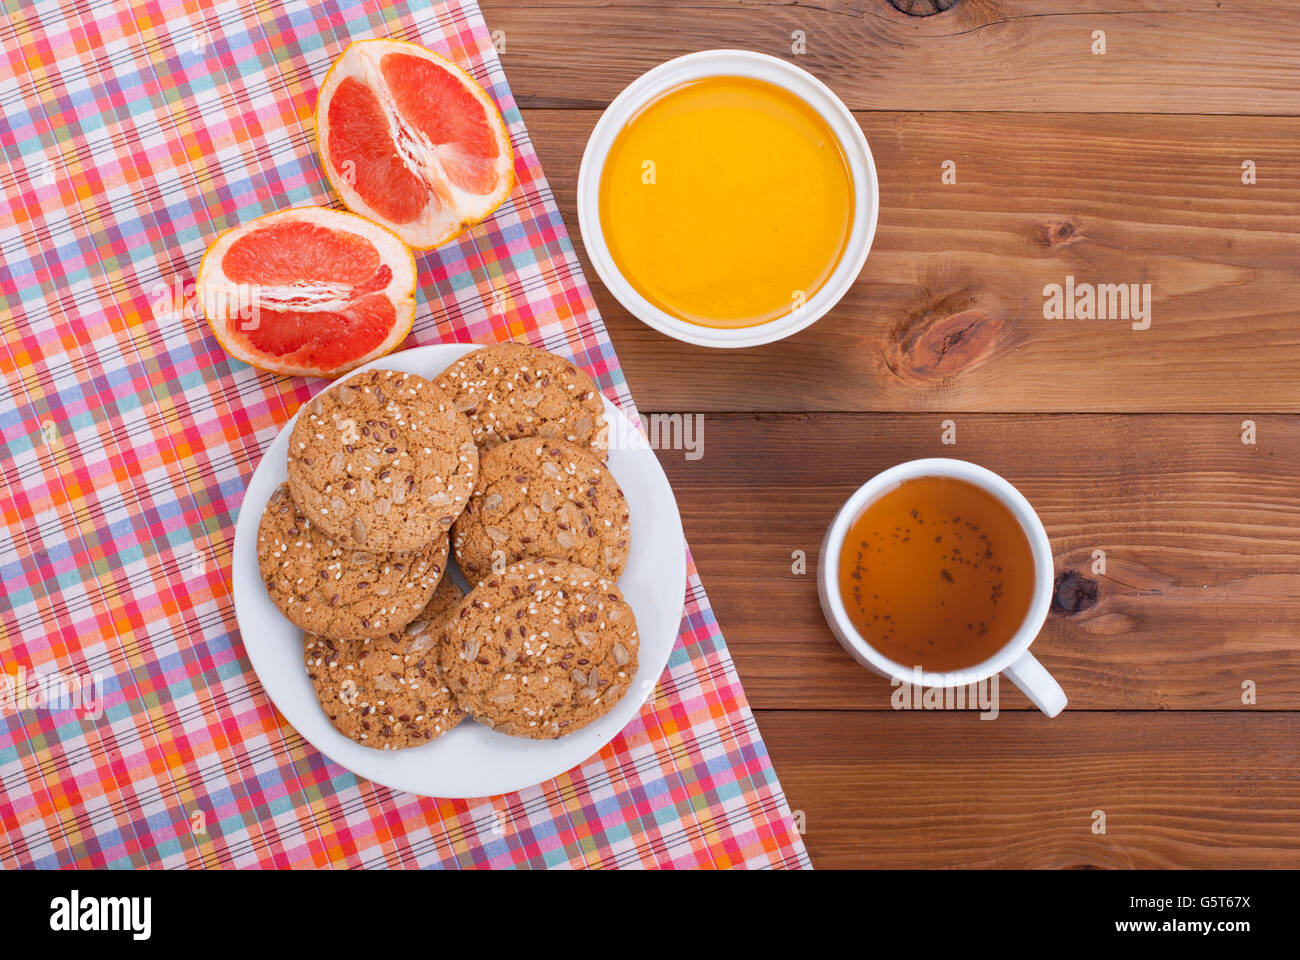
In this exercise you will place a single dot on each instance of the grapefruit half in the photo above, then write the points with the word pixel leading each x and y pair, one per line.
pixel 308 291
pixel 409 140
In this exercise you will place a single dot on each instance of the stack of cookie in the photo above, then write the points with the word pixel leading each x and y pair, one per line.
pixel 502 460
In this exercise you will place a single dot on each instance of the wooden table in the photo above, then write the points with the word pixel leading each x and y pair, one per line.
pixel 1126 166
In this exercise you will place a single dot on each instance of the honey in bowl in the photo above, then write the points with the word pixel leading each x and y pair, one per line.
pixel 726 202
pixel 937 573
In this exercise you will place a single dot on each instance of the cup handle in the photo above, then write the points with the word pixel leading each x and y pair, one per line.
pixel 1037 684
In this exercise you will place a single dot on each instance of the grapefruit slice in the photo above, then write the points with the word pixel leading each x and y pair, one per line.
pixel 409 140
pixel 308 291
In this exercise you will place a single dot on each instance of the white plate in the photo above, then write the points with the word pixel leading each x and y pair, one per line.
pixel 471 760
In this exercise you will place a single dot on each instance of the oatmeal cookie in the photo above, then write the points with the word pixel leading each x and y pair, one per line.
pixel 541 650
pixel 382 461
pixel 542 498
pixel 384 692
pixel 328 588
pixel 511 391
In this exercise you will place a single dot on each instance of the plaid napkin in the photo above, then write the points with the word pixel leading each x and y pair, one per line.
pixel 134 730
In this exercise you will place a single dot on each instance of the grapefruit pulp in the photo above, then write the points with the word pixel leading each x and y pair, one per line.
pixel 308 291
pixel 409 140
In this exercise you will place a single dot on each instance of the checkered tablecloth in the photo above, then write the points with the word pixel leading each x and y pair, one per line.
pixel 133 731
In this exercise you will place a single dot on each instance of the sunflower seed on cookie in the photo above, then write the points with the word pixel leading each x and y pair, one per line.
pixel 382 461
pixel 511 391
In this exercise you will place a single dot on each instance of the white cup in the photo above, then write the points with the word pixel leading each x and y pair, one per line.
pixel 1014 659
pixel 755 66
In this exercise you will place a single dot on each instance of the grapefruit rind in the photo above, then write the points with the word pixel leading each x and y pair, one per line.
pixel 361 60
pixel 391 249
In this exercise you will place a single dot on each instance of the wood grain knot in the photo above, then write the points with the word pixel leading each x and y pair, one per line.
pixel 1057 233
pixel 1074 593
pixel 944 339
pixel 922 8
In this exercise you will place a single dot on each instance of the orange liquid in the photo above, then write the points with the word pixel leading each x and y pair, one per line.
pixel 937 573
pixel 726 202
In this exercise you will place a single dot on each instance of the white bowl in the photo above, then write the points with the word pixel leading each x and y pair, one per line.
pixel 756 66
pixel 1014 658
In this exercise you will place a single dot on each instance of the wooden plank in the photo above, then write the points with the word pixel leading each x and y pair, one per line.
pixel 1112 169
pixel 947 315
pixel 1201 535
pixel 1021 55
pixel 930 790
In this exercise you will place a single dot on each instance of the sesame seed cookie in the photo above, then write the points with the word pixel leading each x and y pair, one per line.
pixel 382 461
pixel 541 498
pixel 385 692
pixel 445 602
pixel 541 650
pixel 511 391
pixel 329 588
